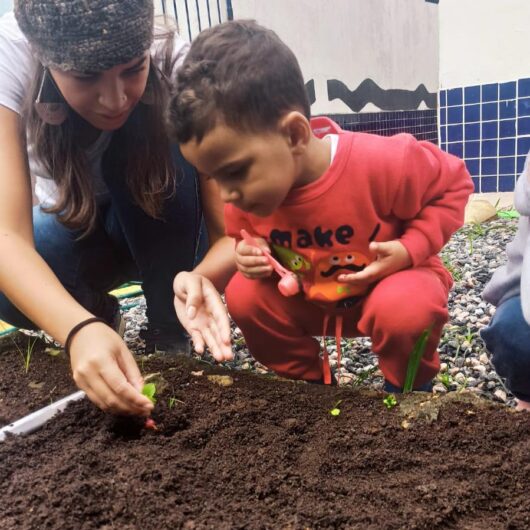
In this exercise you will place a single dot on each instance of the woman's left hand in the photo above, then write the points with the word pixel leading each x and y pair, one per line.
pixel 390 257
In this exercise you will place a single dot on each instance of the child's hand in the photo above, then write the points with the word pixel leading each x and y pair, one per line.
pixel 201 311
pixel 390 257
pixel 250 260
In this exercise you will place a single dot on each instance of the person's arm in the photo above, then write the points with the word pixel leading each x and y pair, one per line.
pixel 430 197
pixel 101 363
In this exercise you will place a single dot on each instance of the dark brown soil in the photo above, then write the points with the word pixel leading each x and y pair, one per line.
pixel 47 379
pixel 267 454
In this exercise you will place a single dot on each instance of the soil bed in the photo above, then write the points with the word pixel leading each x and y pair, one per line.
pixel 264 453
pixel 47 379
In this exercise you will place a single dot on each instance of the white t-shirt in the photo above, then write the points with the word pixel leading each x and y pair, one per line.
pixel 16 69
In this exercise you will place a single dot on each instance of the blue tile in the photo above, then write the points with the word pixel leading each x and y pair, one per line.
pixel 472 113
pixel 524 87
pixel 523 107
pixel 523 126
pixel 506 109
pixel 523 145
pixel 489 111
pixel 520 163
pixel 488 166
pixel 507 90
pixel 507 165
pixel 454 133
pixel 472 149
pixel 488 184
pixel 454 115
pixel 506 182
pixel 476 183
pixel 473 166
pixel 443 134
pixel 507 147
pixel 472 131
pixel 443 116
pixel 472 94
pixel 490 92
pixel 456 149
pixel 506 128
pixel 489 148
pixel 490 129
pixel 454 96
pixel 443 98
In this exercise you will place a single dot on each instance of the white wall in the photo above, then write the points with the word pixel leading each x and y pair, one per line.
pixel 393 42
pixel 483 41
pixel 5 5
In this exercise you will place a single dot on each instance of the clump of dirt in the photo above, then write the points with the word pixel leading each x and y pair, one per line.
pixel 262 453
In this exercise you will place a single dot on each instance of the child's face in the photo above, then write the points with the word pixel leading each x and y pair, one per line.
pixel 254 171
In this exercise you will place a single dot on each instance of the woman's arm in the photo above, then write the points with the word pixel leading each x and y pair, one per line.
pixel 101 363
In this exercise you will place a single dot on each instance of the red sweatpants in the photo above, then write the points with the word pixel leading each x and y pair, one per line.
pixel 280 331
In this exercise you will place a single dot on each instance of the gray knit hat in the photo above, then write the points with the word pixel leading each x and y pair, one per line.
pixel 86 35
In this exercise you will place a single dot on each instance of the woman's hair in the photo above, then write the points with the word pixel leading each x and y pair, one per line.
pixel 140 149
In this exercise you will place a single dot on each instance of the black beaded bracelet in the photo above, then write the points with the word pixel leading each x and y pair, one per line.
pixel 76 328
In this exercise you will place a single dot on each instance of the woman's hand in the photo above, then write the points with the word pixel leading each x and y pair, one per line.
pixel 250 260
pixel 105 369
pixel 201 311
pixel 390 257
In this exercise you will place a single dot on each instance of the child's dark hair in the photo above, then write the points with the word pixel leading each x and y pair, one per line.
pixel 238 72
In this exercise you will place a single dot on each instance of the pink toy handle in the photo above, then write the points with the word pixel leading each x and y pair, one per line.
pixel 277 266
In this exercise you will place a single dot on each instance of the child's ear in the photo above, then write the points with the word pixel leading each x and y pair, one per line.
pixel 297 130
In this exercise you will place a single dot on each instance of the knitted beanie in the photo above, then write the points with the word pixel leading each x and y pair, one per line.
pixel 86 35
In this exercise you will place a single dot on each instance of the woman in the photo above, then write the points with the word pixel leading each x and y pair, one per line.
pixel 117 201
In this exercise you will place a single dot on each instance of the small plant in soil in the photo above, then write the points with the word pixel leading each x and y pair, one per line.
pixel 27 353
pixel 390 401
pixel 149 391
pixel 446 380
pixel 415 358
pixel 335 411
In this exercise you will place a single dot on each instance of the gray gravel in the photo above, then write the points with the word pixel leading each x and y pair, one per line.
pixel 472 255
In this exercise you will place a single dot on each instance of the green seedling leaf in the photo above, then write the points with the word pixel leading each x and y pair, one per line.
pixel 149 391
pixel 390 401
pixel 53 352
pixel 415 358
pixel 335 411
pixel 508 214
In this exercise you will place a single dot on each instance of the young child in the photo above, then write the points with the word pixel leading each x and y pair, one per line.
pixel 508 335
pixel 358 218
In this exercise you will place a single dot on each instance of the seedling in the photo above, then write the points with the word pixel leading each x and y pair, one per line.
pixel 149 391
pixel 27 353
pixel 335 411
pixel 172 400
pixel 415 358
pixel 390 401
pixel 476 231
pixel 446 380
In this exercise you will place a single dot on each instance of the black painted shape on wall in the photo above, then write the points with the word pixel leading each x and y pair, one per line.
pixel 369 92
pixel 310 88
pixel 433 1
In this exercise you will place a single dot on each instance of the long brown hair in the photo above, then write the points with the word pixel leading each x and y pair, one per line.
pixel 140 149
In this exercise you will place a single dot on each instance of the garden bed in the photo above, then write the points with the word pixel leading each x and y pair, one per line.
pixel 265 453
pixel 32 375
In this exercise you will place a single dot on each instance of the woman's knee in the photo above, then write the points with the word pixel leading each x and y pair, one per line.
pixel 507 338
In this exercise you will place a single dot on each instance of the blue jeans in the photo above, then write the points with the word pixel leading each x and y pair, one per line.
pixel 126 245
pixel 508 339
